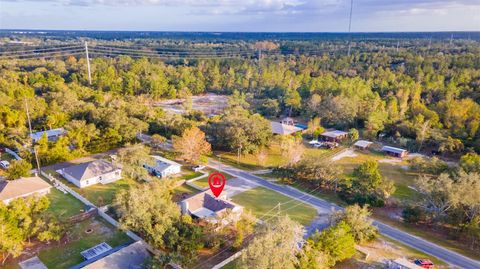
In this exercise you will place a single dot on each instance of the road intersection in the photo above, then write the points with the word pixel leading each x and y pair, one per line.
pixel 420 244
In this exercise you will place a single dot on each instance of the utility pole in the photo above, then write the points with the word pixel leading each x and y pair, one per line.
pixel 451 39
pixel 398 44
pixel 88 64
pixel 30 129
pixel 350 27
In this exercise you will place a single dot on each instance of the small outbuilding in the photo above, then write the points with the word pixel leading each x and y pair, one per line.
pixel 91 173
pixel 23 187
pixel 334 136
pixel 362 144
pixel 163 167
pixel 396 152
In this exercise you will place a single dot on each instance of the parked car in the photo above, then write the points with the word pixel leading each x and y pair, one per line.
pixel 4 164
pixel 424 263
pixel 197 168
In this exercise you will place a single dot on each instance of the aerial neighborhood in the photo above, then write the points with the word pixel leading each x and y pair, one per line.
pixel 195 150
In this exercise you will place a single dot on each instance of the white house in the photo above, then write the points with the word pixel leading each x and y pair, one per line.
pixel 205 206
pixel 163 167
pixel 52 135
pixel 91 173
pixel 23 187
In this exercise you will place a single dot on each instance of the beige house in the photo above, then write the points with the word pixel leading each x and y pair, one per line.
pixel 205 206
pixel 91 173
pixel 23 187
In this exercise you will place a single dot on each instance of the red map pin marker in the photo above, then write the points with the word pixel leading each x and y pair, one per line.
pixel 217 182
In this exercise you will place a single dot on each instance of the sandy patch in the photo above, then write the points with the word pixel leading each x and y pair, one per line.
pixel 344 154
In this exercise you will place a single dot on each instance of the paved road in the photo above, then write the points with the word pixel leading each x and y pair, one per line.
pixel 420 244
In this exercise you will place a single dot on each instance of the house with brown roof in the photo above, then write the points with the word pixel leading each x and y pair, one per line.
pixel 23 187
pixel 91 173
pixel 205 206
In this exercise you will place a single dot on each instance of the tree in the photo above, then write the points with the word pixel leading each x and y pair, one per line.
pixel 18 169
pixel 336 241
pixel 312 258
pixel 358 218
pixel 133 158
pixel 243 227
pixel 262 156
pixel 439 194
pixel 149 210
pixel 292 100
pixel 367 177
pixel 80 133
pixel 275 245
pixel 470 162
pixel 353 134
pixel 293 149
pixel 157 140
pixel 191 145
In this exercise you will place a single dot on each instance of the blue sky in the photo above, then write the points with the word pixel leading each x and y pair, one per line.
pixel 242 15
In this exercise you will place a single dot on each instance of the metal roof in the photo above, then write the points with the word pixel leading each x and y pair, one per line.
pixel 162 163
pixel 53 132
pixel 363 143
pixel 393 149
pixel 334 133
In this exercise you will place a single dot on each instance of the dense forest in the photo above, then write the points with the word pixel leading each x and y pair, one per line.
pixel 425 101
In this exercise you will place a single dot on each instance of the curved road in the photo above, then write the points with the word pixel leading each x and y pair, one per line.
pixel 420 244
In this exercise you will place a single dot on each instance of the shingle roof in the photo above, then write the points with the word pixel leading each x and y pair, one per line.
pixel 21 187
pixel 393 149
pixel 91 169
pixel 283 129
pixel 206 200
pixel 131 257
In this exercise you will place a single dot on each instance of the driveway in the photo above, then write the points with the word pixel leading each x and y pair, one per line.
pixel 420 244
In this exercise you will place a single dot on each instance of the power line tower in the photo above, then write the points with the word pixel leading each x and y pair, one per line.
pixel 88 64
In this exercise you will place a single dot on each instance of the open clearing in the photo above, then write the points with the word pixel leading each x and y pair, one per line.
pixel 260 201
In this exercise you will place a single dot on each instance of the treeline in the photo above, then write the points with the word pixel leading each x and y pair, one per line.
pixel 423 102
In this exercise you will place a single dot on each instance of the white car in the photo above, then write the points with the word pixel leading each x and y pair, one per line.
pixel 4 164
pixel 198 168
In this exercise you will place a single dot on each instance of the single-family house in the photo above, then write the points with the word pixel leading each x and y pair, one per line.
pixel 23 187
pixel 91 173
pixel 205 206
pixel 284 129
pixel 334 136
pixel 52 135
pixel 362 144
pixel 396 152
pixel 132 256
pixel 402 263
pixel 163 167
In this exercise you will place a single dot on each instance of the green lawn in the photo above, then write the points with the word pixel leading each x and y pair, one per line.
pixel 393 171
pixel 188 174
pixel 261 200
pixel 63 205
pixel 66 254
pixel 203 182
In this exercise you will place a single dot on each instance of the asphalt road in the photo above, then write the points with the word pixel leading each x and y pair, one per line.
pixel 420 244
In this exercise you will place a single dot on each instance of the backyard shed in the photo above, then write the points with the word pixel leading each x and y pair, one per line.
pixel 362 144
pixel 163 167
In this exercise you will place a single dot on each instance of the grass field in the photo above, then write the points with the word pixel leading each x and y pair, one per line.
pixel 261 200
pixel 66 254
pixel 393 171
pixel 63 205
pixel 203 182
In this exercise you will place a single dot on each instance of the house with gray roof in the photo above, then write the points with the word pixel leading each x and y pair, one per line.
pixel 91 173
pixel 334 136
pixel 205 206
